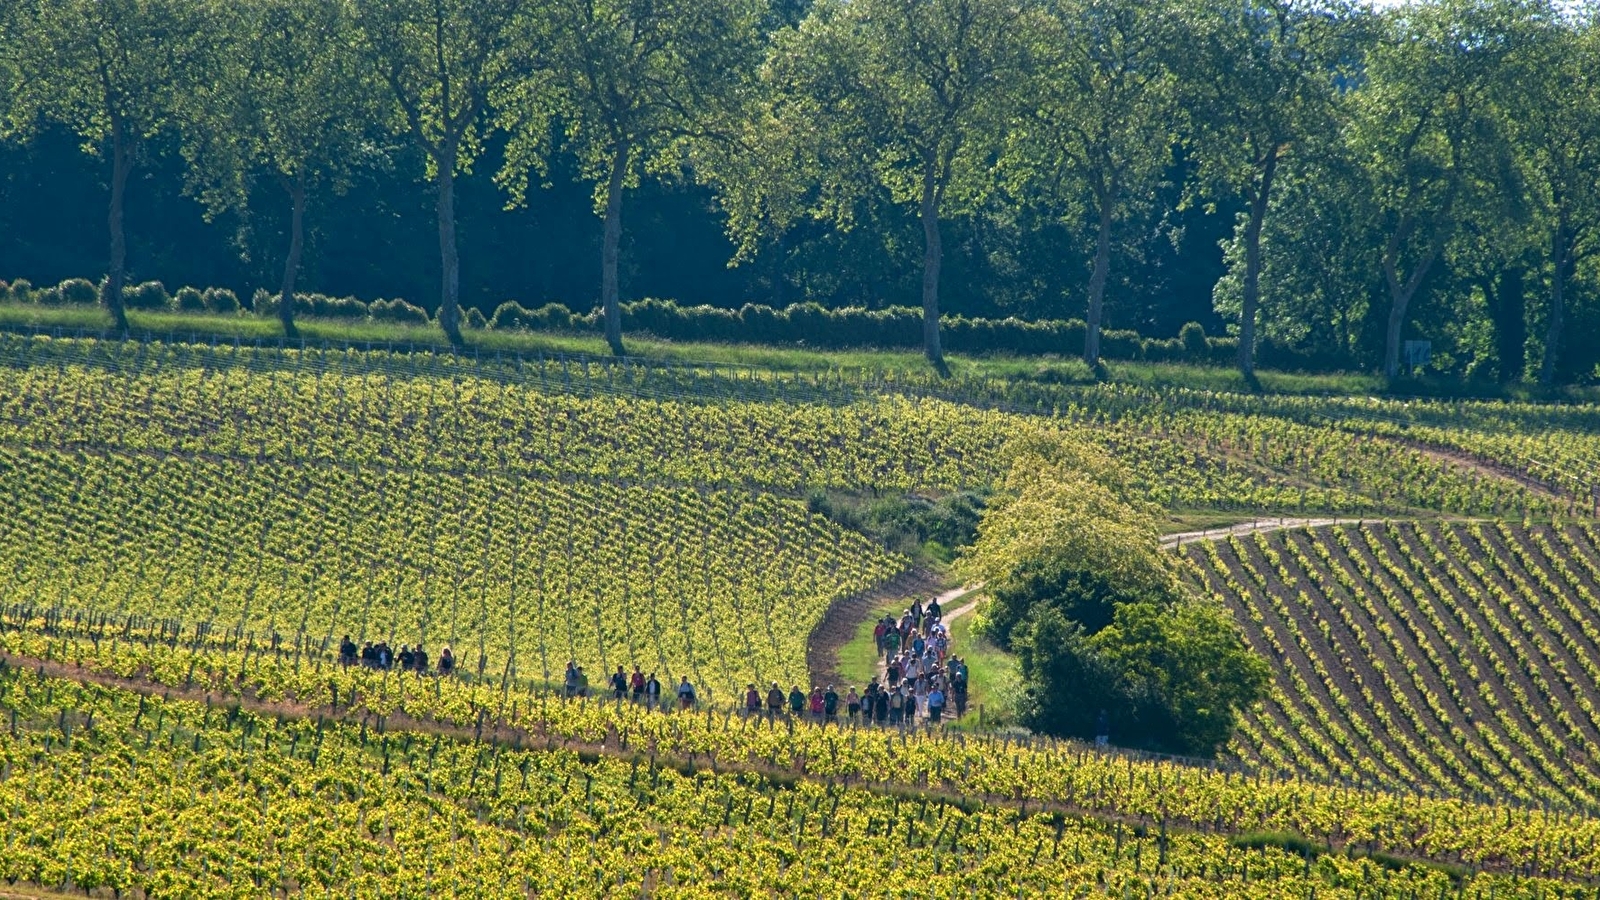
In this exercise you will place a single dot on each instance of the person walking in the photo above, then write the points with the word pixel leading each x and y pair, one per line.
pixel 652 692
pixel 852 704
pixel 935 705
pixel 752 700
pixel 447 662
pixel 637 684
pixel 797 702
pixel 685 694
pixel 830 705
pixel 619 684
pixel 774 701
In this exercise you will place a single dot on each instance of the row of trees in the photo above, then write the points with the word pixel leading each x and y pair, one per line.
pixel 1365 150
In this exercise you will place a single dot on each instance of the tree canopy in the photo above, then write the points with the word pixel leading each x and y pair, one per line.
pixel 1309 179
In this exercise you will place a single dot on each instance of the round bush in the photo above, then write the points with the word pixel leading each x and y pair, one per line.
pixel 22 290
pixel 50 296
pixel 398 310
pixel 510 315
pixel 149 295
pixel 475 319
pixel 221 300
pixel 1193 338
pixel 190 299
pixel 78 291
pixel 264 302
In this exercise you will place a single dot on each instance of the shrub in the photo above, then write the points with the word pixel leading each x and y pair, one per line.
pixel 148 295
pixel 78 291
pixel 221 300
pixel 190 299
pixel 474 319
pixel 398 310
pixel 22 290
pixel 50 296
pixel 326 307
pixel 263 298
pixel 1193 338
pixel 509 316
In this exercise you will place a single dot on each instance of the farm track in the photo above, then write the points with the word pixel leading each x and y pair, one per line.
pixel 839 624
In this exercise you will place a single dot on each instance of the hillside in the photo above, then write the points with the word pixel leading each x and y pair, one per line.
pixel 189 530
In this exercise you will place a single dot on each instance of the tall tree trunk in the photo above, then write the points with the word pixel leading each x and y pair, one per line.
pixel 1561 253
pixel 1252 265
pixel 121 167
pixel 449 255
pixel 610 249
pixel 932 260
pixel 1097 285
pixel 1508 311
pixel 1401 293
pixel 291 265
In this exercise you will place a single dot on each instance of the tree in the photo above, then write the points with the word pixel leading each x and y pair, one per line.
pixel 1082 591
pixel 1097 132
pixel 1423 128
pixel 284 97
pixel 105 69
pixel 442 60
pixel 1260 79
pixel 911 96
pixel 1550 102
pixel 632 83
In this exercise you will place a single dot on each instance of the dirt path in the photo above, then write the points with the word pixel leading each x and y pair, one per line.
pixel 839 624
pixel 1172 541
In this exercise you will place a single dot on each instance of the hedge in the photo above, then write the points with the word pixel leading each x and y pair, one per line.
pixel 802 324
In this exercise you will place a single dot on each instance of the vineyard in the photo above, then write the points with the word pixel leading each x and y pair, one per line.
pixel 187 531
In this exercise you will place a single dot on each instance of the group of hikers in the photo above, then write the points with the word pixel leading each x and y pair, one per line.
pixel 919 677
pixel 645 690
pixel 381 656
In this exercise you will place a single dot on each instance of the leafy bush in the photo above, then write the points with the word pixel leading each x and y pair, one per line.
pixel 263 299
pixel 78 291
pixel 1100 622
pixel 221 300
pixel 50 296
pixel 325 307
pixel 398 310
pixel 5 292
pixel 509 316
pixel 22 290
pixel 149 295
pixel 190 299
pixel 475 319
pixel 1193 338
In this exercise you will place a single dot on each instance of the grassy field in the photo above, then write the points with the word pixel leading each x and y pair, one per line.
pixel 1064 369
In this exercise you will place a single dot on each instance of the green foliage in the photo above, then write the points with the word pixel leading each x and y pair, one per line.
pixel 221 300
pixel 149 295
pixel 79 291
pixel 398 310
pixel 189 299
pixel 1091 604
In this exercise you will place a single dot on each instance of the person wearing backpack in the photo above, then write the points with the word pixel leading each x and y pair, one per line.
pixel 652 692
pixel 830 705
pixel 685 694
pixel 897 706
pixel 880 706
pixel 774 701
pixel 911 709
pixel 619 684
pixel 797 702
